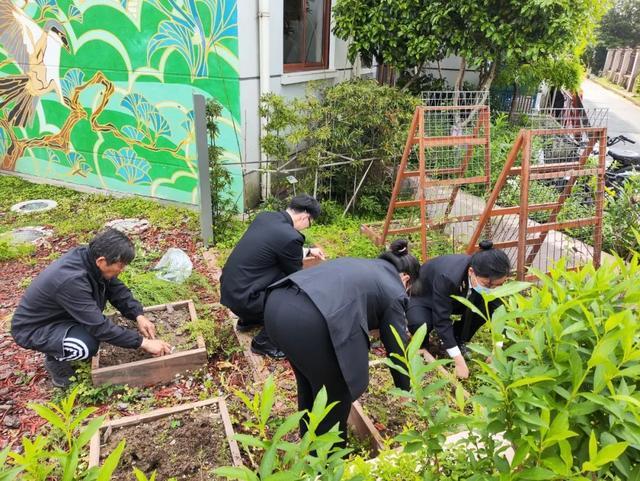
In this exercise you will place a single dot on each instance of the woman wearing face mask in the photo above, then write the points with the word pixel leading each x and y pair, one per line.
pixel 459 275
pixel 321 318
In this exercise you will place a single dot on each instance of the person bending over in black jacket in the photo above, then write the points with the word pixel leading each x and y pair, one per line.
pixel 459 275
pixel 321 319
pixel 270 249
pixel 61 315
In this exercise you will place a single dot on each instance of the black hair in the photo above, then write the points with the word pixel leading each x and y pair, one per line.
pixel 398 255
pixel 305 203
pixel 490 262
pixel 113 245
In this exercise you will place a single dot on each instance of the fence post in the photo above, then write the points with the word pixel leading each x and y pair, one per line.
pixel 204 181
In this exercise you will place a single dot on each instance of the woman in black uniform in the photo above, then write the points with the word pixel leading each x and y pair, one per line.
pixel 459 275
pixel 321 317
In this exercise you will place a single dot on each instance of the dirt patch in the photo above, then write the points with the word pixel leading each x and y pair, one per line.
pixel 385 410
pixel 186 446
pixel 170 326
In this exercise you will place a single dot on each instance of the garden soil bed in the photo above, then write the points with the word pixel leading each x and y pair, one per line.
pixel 114 365
pixel 170 327
pixel 185 442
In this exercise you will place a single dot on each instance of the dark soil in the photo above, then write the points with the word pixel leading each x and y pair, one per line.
pixel 186 446
pixel 170 327
pixel 387 414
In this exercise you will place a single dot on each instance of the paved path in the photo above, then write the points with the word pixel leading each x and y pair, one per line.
pixel 624 115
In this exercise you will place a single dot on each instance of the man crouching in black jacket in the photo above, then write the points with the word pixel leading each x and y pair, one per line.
pixel 61 315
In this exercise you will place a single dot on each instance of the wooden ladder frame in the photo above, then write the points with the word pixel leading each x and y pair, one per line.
pixel 481 137
pixel 529 172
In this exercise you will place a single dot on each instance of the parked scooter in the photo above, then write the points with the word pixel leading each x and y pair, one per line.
pixel 620 164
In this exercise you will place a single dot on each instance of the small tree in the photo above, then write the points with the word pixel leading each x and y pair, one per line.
pixel 485 33
pixel 620 27
pixel 222 203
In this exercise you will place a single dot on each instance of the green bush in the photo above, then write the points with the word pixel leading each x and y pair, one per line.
pixel 563 388
pixel 359 120
pixel 10 251
pixel 621 221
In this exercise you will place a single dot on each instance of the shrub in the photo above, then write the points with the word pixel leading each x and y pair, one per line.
pixel 621 221
pixel 563 389
pixel 357 120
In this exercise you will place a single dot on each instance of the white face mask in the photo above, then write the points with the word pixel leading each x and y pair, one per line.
pixel 480 289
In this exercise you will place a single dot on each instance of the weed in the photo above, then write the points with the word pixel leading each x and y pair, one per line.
pixel 10 251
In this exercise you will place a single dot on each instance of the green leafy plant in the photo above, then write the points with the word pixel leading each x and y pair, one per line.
pixel 42 458
pixel 10 251
pixel 314 456
pixel 562 388
pixel 223 205
pixel 622 219
pixel 358 120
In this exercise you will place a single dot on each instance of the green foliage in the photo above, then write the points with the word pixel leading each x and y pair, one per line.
pixel 620 26
pixel 89 395
pixel 358 120
pixel 222 204
pixel 621 221
pixel 10 251
pixel 314 456
pixel 488 33
pixel 42 459
pixel 82 215
pixel 562 389
pixel 429 401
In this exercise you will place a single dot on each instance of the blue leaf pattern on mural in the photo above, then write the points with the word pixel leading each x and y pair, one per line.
pixel 133 133
pixel 131 168
pixel 159 124
pixel 46 3
pixel 173 35
pixel 188 123
pixel 146 114
pixel 78 163
pixel 72 79
pixel 74 13
pixel 186 33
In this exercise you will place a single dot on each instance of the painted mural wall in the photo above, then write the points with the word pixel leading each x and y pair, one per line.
pixel 99 92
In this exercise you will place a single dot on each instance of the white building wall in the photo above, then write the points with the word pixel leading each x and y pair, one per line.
pixel 289 85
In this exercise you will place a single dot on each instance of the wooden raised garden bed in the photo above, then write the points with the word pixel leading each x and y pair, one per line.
pixel 184 442
pixel 115 365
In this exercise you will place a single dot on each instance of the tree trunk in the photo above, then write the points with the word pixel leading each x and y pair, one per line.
pixel 461 72
pixel 415 77
pixel 513 101
pixel 439 69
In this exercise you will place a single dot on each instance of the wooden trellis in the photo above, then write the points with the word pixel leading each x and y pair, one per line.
pixel 513 228
pixel 444 139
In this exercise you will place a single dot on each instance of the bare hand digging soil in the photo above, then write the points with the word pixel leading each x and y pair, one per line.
pixel 170 327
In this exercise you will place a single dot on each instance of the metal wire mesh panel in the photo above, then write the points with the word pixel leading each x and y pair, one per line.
pixel 547 203
pixel 443 175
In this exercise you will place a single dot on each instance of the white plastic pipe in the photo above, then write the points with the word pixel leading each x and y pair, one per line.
pixel 264 15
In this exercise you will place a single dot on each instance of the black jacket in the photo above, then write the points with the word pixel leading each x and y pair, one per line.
pixel 72 291
pixel 269 250
pixel 355 296
pixel 442 277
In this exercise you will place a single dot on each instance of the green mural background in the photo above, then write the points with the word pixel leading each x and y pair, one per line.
pixel 120 115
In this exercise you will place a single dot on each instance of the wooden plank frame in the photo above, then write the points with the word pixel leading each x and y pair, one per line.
pixel 156 370
pixel 94 445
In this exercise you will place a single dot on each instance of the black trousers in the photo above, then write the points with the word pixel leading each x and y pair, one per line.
pixel 463 330
pixel 79 345
pixel 298 328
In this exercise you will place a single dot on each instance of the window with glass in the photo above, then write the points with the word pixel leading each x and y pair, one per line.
pixel 306 34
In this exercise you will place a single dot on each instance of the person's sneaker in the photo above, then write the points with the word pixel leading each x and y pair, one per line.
pixel 266 349
pixel 60 371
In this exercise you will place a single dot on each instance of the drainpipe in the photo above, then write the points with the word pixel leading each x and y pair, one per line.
pixel 264 15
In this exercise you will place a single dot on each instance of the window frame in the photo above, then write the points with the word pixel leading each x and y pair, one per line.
pixel 326 39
